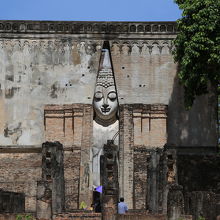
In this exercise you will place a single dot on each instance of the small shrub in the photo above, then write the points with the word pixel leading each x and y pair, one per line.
pixel 19 217
pixel 29 217
pixel 24 217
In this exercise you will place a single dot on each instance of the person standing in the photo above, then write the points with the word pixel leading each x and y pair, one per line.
pixel 122 206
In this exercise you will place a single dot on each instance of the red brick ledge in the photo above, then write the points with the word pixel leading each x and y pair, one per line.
pixel 78 215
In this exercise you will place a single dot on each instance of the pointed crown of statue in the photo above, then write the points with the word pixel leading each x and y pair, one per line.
pixel 105 76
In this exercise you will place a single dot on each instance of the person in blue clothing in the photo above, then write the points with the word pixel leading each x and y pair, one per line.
pixel 122 206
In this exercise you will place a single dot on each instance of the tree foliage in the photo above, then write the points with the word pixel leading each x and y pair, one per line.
pixel 197 46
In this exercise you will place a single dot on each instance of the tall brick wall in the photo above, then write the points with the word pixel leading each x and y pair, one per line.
pixel 85 191
pixel 43 79
pixel 150 125
pixel 140 179
pixel 63 123
pixel 126 168
pixel 72 178
pixel 72 126
pixel 20 173
pixel 142 127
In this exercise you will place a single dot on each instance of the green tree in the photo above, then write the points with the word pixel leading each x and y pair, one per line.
pixel 197 47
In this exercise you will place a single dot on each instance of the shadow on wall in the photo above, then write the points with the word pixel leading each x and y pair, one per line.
pixel 196 127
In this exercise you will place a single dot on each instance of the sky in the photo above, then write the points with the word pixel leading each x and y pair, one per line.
pixel 90 10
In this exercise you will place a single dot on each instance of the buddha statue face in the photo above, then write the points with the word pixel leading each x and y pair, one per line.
pixel 105 97
pixel 105 105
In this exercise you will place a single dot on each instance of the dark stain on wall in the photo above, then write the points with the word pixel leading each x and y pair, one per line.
pixel 9 93
pixel 53 91
pixel 12 202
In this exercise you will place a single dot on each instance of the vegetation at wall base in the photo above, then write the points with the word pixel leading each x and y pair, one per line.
pixel 24 217
pixel 197 47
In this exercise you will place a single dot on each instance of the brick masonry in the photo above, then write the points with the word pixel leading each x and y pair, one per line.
pixel 72 178
pixel 126 154
pixel 19 173
pixel 137 122
pixel 79 215
pixel 141 127
pixel 141 216
pixel 46 94
pixel 63 71
pixel 72 125
pixel 140 179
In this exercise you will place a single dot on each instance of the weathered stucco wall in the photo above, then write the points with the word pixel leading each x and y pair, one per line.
pixel 48 74
pixel 56 63
pixel 144 70
pixel 196 127
pixel 39 72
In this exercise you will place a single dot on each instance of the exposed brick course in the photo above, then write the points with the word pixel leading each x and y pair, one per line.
pixel 141 127
pixel 141 216
pixel 19 173
pixel 63 123
pixel 72 178
pixel 140 179
pixel 47 89
pixel 79 215
pixel 72 125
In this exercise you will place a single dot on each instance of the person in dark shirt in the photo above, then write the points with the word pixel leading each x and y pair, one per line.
pixel 97 206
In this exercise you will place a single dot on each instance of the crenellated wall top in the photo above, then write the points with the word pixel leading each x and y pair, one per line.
pixel 86 27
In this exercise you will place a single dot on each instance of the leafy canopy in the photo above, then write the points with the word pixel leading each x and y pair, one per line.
pixel 197 46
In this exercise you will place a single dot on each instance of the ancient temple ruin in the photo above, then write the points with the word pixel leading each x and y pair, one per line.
pixel 89 104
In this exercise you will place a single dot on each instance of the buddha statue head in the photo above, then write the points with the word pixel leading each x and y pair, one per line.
pixel 105 97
